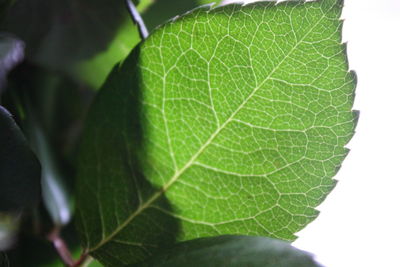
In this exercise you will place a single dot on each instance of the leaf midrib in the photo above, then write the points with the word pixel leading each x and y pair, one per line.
pixel 176 176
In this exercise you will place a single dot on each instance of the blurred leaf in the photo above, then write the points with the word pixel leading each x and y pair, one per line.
pixel 4 4
pixel 232 251
pixel 205 2
pixel 95 70
pixel 19 167
pixel 52 120
pixel 19 178
pixel 9 226
pixel 11 53
pixel 56 196
pixel 4 262
pixel 33 251
pixel 61 34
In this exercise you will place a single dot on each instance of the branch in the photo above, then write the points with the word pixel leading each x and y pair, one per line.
pixel 61 246
pixel 63 251
pixel 137 19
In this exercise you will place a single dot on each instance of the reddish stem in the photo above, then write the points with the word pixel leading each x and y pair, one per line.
pixel 61 247
pixel 81 260
pixel 63 251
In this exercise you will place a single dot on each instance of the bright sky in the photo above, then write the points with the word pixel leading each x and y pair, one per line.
pixel 359 224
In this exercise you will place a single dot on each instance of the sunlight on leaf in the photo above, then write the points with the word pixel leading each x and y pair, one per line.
pixel 231 120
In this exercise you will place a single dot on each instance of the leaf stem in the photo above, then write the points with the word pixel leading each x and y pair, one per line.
pixel 63 251
pixel 137 19
pixel 83 260
pixel 61 247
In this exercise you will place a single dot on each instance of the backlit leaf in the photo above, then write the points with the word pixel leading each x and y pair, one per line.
pixel 19 168
pixel 230 120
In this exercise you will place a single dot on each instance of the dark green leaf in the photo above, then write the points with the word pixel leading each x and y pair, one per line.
pixel 232 251
pixel 56 197
pixel 19 167
pixel 52 124
pixel 61 34
pixel 4 5
pixel 161 11
pixel 230 120
pixel 4 259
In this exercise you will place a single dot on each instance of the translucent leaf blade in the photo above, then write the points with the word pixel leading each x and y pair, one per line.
pixel 230 120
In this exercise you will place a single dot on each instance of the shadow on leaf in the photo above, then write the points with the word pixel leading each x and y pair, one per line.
pixel 112 189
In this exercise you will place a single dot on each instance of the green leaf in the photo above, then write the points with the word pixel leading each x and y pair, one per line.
pixel 56 197
pixel 233 251
pixel 19 178
pixel 230 120
pixel 95 70
pixel 19 167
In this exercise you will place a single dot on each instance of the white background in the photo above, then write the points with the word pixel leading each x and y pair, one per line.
pixel 359 224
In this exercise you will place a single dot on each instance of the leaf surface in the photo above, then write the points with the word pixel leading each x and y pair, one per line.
pixel 55 193
pixel 233 251
pixel 19 168
pixel 230 120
